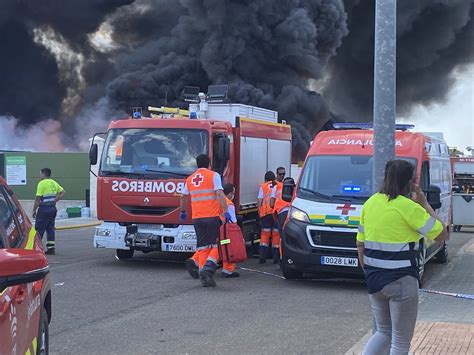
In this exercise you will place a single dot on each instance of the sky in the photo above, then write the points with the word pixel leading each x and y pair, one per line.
pixel 455 117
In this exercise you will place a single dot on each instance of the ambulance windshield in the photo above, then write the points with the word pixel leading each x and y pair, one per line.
pixel 153 153
pixel 329 177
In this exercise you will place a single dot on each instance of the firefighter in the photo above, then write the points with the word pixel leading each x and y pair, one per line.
pixel 267 224
pixel 280 174
pixel 48 193
pixel 207 201
pixel 228 269
pixel 280 207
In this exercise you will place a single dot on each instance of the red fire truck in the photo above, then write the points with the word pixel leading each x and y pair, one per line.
pixel 146 160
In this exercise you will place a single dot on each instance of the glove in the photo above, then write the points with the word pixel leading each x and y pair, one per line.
pixel 183 216
pixel 228 218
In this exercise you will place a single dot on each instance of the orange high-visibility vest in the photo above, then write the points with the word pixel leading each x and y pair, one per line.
pixel 229 203
pixel 204 203
pixel 280 204
pixel 265 208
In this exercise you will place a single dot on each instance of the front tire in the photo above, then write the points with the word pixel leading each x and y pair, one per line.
pixel 441 257
pixel 43 334
pixel 123 254
pixel 290 274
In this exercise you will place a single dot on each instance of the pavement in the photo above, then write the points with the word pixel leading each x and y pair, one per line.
pixel 74 223
pixel 445 323
pixel 151 305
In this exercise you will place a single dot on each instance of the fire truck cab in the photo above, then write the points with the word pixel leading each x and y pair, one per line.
pixel 336 180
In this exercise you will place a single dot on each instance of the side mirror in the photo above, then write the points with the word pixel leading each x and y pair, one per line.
pixel 288 189
pixel 93 153
pixel 224 149
pixel 433 195
pixel 21 266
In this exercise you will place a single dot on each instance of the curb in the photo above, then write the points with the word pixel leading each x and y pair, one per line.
pixel 78 226
pixel 358 347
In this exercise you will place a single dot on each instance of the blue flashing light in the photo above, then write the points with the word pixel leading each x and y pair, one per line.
pixel 137 114
pixel 398 127
pixel 193 115
pixel 352 188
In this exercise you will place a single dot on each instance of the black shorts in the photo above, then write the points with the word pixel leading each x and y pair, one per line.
pixel 207 230
pixel 268 222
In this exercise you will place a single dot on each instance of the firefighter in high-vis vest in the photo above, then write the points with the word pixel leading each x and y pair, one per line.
pixel 204 187
pixel 48 193
pixel 228 269
pixel 280 207
pixel 269 229
pixel 389 232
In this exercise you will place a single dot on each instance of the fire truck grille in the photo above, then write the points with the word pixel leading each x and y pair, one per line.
pixel 148 210
pixel 333 239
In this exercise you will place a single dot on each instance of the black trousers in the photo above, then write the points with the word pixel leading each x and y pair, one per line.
pixel 45 218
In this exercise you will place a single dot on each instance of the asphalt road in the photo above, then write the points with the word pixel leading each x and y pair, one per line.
pixel 151 305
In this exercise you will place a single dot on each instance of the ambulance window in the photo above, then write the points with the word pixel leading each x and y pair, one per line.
pixel 8 222
pixel 425 175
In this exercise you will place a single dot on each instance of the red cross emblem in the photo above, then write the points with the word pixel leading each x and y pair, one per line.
pixel 197 180
pixel 345 209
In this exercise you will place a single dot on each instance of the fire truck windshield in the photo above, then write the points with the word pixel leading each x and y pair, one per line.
pixel 329 177
pixel 153 152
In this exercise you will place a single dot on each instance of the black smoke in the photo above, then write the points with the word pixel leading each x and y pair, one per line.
pixel 434 38
pixel 312 60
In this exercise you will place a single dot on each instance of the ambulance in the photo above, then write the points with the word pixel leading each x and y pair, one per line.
pixel 336 180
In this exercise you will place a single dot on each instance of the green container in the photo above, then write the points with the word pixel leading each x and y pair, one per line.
pixel 73 212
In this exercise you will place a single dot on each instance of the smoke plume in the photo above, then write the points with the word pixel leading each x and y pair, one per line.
pixel 83 63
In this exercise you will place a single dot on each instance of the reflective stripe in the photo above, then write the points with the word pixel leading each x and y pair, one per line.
pixel 386 264
pixel 266 229
pixel 275 246
pixel 203 198
pixel 204 191
pixel 428 226
pixel 360 228
pixel 212 260
pixel 394 247
pixel 204 247
pixel 31 239
pixel 263 244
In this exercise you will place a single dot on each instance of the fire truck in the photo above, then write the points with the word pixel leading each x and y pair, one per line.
pixel 336 180
pixel 145 162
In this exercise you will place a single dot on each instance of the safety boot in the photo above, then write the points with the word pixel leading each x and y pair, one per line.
pixel 207 279
pixel 276 255
pixel 263 252
pixel 192 268
pixel 50 251
pixel 231 275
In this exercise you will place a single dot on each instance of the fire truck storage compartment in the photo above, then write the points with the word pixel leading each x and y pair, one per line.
pixel 257 156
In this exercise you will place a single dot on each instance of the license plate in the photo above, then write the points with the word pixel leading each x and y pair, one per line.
pixel 183 248
pixel 338 261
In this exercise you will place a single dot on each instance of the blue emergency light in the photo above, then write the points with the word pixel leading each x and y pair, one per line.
pixel 398 127
pixel 137 114
pixel 193 115
pixel 352 188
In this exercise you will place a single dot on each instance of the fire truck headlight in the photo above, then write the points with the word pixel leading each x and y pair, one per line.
pixel 103 232
pixel 298 215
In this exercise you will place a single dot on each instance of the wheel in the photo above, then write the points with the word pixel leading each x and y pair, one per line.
pixel 290 274
pixel 441 257
pixel 43 334
pixel 421 263
pixel 123 254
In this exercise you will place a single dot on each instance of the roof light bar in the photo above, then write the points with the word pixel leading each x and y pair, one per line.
pixel 398 127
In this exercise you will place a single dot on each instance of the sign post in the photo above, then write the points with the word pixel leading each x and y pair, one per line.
pixel 384 87
pixel 15 170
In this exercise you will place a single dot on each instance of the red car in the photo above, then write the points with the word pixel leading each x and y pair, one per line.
pixel 25 290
